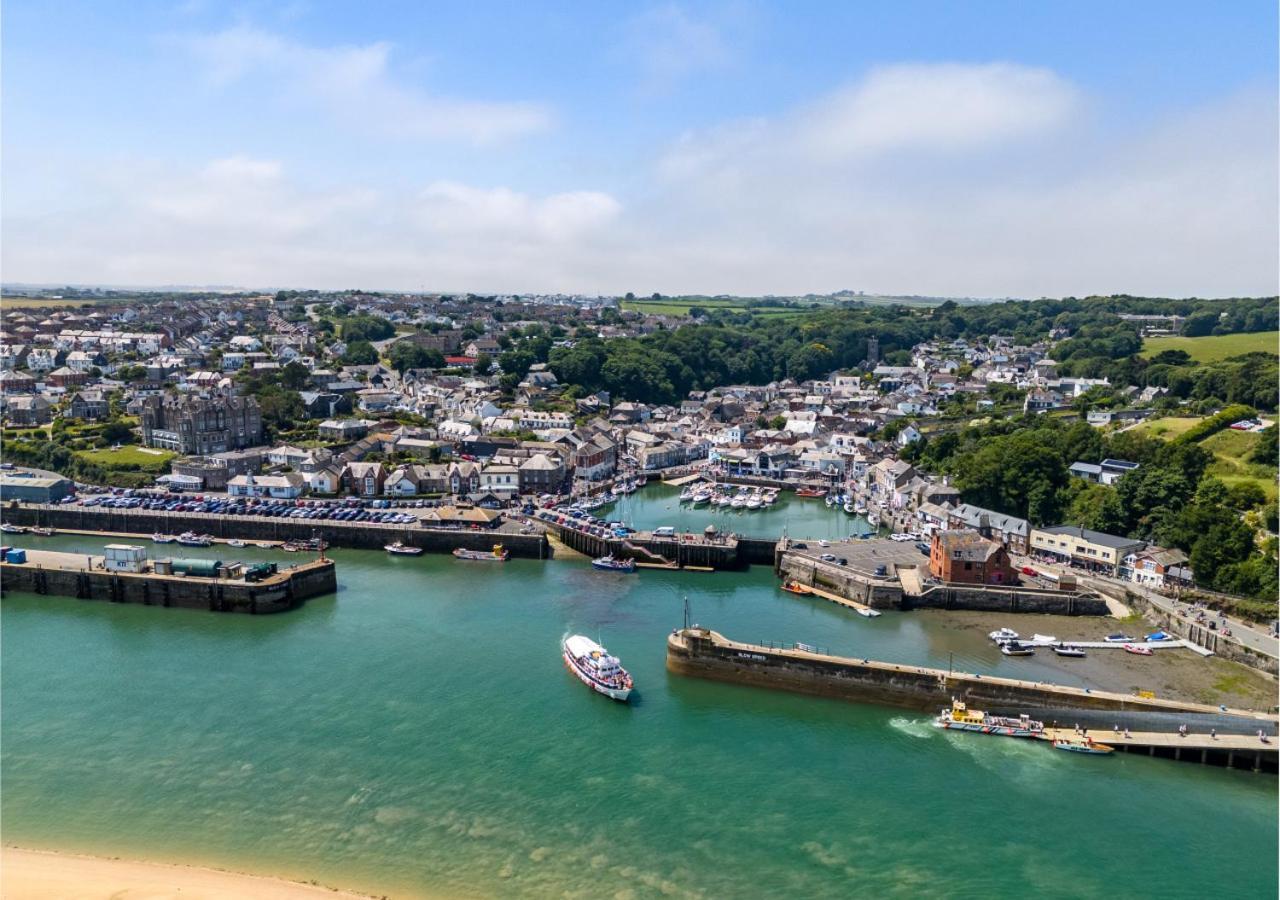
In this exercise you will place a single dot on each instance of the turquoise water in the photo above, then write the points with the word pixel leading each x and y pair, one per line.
pixel 657 505
pixel 417 734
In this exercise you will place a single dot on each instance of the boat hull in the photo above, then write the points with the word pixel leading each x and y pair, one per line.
pixel 622 695
pixel 998 730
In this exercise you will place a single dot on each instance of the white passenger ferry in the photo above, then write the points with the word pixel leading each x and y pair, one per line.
pixel 595 668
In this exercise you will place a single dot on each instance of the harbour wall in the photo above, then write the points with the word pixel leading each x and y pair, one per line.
pixel 1205 637
pixel 282 591
pixel 357 535
pixel 886 592
pixel 704 653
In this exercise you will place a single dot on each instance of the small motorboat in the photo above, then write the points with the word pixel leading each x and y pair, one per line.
pixel 12 529
pixel 849 507
pixel 400 548
pixel 1137 650
pixel 1118 638
pixel 266 545
pixel 1003 634
pixel 158 538
pixel 1044 638
pixel 497 554
pixel 1087 745
pixel 1068 650
pixel 811 492
pixel 236 543
pixel 40 531
pixel 794 587
pixel 191 539
pixel 1013 648
pixel 1154 636
pixel 609 564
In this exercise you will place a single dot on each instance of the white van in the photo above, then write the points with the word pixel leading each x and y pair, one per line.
pixel 664 531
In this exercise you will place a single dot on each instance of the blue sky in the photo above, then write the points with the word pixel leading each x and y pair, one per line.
pixel 986 149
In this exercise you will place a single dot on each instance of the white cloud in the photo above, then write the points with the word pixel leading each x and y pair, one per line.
pixel 1026 196
pixel 357 88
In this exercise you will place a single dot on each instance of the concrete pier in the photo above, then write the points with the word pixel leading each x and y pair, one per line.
pixel 82 576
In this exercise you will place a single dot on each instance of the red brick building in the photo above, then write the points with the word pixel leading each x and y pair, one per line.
pixel 966 557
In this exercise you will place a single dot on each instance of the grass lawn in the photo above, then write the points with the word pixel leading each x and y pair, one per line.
pixel 1215 346
pixel 1169 427
pixel 1232 466
pixel 144 457
pixel 676 306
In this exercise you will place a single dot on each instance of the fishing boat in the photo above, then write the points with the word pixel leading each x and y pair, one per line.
pixel 159 538
pixel 191 539
pixel 811 492
pixel 40 531
pixel 1068 650
pixel 1087 745
pixel 306 545
pixel 1137 650
pixel 497 554
pixel 960 718
pixel 400 548
pixel 1118 638
pixel 1003 634
pixel 595 667
pixel 1013 648
pixel 609 564
pixel 12 529
pixel 236 543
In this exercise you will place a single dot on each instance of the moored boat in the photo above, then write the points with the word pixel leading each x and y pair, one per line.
pixel 191 539
pixel 609 564
pixel 811 492
pixel 40 531
pixel 595 667
pixel 1068 650
pixel 960 718
pixel 300 546
pixel 236 543
pixel 1087 745
pixel 794 587
pixel 159 538
pixel 1013 648
pixel 12 529
pixel 400 548
pixel 1118 638
pixel 1003 634
pixel 497 554
pixel 1044 638
pixel 1137 650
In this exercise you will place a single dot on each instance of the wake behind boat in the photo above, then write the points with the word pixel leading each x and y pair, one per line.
pixel 595 668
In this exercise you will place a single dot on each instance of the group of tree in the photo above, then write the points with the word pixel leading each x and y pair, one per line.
pixel 1020 467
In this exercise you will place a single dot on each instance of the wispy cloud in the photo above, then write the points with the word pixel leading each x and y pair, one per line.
pixel 357 87
pixel 668 44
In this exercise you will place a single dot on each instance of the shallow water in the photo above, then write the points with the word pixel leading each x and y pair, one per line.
pixel 417 733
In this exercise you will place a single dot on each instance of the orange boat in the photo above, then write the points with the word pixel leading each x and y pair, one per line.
pixel 811 492
pixel 794 587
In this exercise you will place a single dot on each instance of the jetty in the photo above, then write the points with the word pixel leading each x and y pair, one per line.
pixel 704 653
pixel 1230 750
pixel 184 583
pixel 796 587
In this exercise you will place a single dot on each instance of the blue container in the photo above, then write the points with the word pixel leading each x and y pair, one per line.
pixel 16 556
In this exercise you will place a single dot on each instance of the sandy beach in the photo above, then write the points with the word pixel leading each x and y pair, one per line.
pixel 46 875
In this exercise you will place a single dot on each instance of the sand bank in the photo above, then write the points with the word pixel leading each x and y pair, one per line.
pixel 46 875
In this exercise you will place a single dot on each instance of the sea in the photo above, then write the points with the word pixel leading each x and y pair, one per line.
pixel 416 735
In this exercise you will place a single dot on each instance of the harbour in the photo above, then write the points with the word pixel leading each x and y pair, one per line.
pixel 340 744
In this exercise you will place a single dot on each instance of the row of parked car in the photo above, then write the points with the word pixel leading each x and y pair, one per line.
pixel 235 506
pixel 584 521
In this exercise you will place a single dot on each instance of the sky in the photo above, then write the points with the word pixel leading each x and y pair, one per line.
pixel 983 149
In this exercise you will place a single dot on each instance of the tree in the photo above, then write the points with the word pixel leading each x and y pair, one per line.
pixel 295 376
pixel 778 422
pixel 366 328
pixel 116 433
pixel 360 353
pixel 484 362
pixel 1265 452
pixel 281 407
pixel 405 355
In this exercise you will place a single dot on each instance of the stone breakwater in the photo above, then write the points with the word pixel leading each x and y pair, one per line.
pixel 71 575
pixel 704 653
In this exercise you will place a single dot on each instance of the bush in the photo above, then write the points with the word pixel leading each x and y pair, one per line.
pixel 1214 424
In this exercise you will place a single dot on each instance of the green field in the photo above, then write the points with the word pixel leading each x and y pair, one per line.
pixel 141 457
pixel 1169 427
pixel 1214 347
pixel 1232 466
pixel 677 306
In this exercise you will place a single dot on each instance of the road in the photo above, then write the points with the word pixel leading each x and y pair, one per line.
pixel 1243 633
